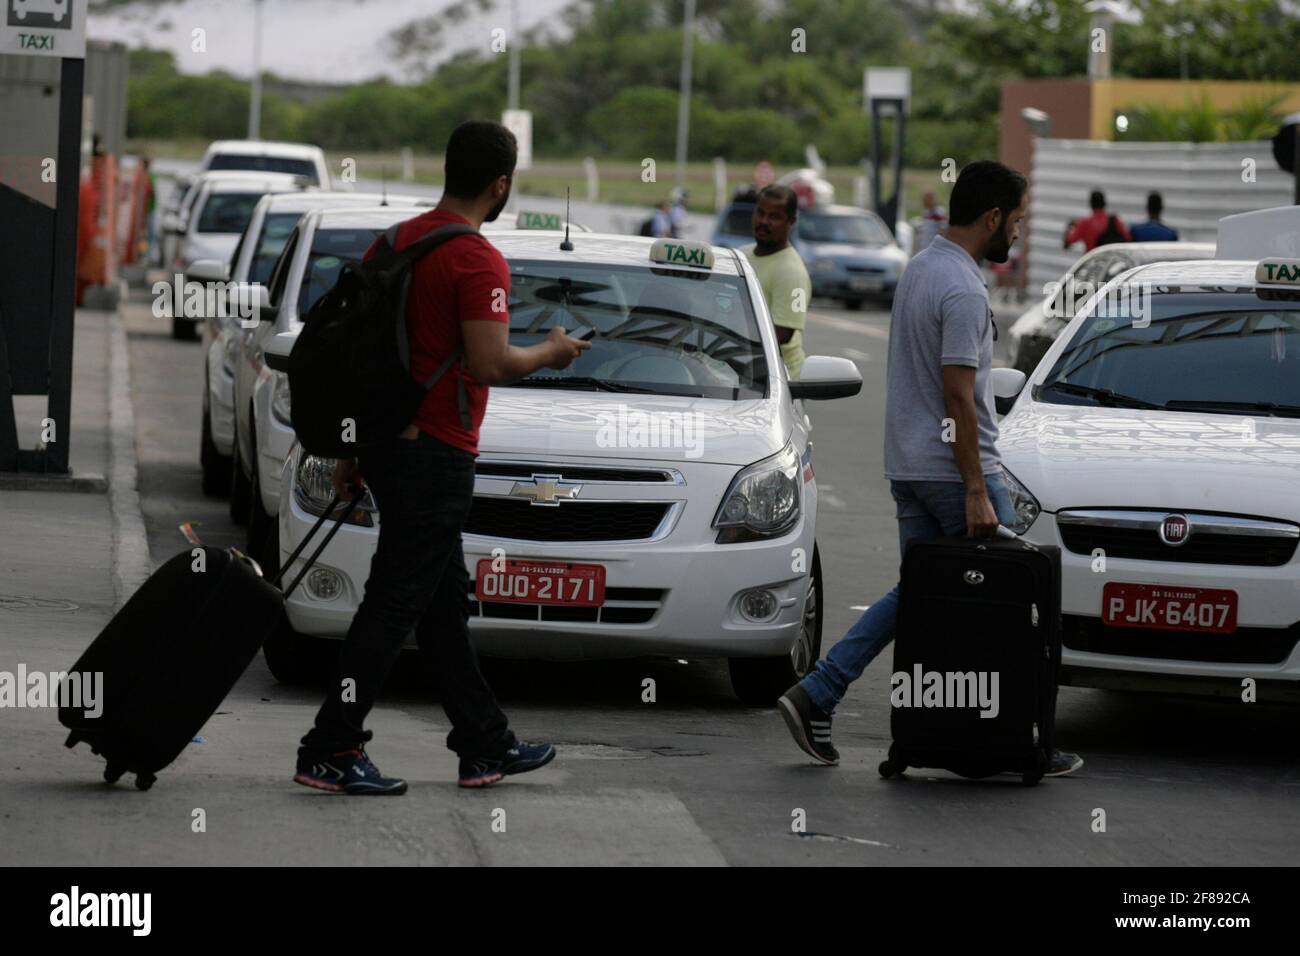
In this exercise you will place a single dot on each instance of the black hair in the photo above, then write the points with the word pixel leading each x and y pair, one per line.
pixel 1155 205
pixel 478 152
pixel 1096 199
pixel 985 185
pixel 782 194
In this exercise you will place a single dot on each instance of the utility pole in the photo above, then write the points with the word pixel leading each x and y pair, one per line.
pixel 255 92
pixel 684 96
pixel 512 93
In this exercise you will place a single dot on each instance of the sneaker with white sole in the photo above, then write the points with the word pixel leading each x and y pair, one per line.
pixel 809 726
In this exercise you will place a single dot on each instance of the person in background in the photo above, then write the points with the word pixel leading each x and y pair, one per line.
pixel 1098 228
pixel 934 220
pixel 781 272
pixel 661 224
pixel 677 212
pixel 1153 230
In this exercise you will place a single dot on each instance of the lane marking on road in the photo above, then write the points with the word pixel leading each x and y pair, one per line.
pixel 847 325
pixel 836 838
pixel 858 607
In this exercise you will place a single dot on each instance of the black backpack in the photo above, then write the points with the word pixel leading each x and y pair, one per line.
pixel 350 369
pixel 1110 234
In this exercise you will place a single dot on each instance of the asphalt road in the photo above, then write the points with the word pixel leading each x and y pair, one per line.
pixel 697 777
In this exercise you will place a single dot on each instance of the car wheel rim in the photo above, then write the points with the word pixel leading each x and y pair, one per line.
pixel 802 652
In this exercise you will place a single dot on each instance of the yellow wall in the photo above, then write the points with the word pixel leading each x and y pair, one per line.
pixel 1111 95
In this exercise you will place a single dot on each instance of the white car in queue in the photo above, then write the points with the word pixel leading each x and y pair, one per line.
pixel 1157 444
pixel 273 219
pixel 216 220
pixel 655 498
pixel 308 265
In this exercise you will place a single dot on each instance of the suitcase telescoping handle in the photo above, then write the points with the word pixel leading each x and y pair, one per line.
pixel 338 523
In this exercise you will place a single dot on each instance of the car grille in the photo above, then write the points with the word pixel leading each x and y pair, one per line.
pixel 622 606
pixel 872 270
pixel 571 521
pixel 1081 535
pixel 504 469
pixel 1246 645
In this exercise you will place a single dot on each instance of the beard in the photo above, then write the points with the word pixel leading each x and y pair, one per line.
pixel 496 210
pixel 999 249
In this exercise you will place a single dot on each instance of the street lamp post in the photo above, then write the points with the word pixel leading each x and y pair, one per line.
pixel 255 92
pixel 684 96
pixel 512 88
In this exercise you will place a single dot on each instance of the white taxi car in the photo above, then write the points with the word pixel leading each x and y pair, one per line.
pixel 656 497
pixel 1158 445
pixel 273 219
pixel 309 264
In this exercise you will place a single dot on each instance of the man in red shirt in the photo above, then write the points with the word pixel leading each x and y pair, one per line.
pixel 423 484
pixel 1091 228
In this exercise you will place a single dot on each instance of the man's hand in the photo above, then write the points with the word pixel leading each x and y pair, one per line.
pixel 981 519
pixel 564 348
pixel 347 480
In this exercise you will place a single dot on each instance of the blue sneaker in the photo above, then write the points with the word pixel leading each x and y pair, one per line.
pixel 349 771
pixel 520 758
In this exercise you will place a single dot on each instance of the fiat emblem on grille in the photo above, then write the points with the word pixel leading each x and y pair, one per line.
pixel 1175 530
pixel 545 490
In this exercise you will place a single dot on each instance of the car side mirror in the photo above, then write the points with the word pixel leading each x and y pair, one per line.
pixel 276 351
pixel 207 270
pixel 826 376
pixel 252 304
pixel 1007 384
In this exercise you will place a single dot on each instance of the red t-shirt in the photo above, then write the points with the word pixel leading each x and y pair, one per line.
pixel 460 281
pixel 1091 228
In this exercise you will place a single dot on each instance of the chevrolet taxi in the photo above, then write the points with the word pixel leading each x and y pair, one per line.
pixel 1158 445
pixel 657 497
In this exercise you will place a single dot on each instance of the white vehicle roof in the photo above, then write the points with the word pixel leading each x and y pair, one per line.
pixel 1210 275
pixel 306 201
pixel 378 217
pixel 1260 234
pixel 263 181
pixel 260 147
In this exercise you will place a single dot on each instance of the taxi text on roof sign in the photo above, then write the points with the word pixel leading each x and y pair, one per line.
pixel 682 252
pixel 539 220
pixel 1278 272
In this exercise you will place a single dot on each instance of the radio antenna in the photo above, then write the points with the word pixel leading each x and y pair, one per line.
pixel 566 245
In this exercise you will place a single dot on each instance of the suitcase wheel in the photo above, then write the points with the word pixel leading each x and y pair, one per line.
pixel 113 772
pixel 143 781
pixel 888 768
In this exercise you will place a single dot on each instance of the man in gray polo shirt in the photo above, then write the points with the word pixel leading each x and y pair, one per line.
pixel 941 455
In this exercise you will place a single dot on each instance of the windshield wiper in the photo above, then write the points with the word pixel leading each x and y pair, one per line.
pixel 1104 395
pixel 1214 405
pixel 580 382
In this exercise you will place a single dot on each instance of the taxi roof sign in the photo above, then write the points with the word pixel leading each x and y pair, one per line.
pixel 528 219
pixel 1278 272
pixel 682 252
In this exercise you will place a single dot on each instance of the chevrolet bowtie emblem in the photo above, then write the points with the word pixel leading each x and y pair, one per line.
pixel 545 490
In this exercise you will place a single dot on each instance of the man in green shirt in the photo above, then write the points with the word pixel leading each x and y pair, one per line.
pixel 781 272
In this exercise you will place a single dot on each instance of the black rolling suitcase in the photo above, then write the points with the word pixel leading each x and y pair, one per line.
pixel 174 651
pixel 970 609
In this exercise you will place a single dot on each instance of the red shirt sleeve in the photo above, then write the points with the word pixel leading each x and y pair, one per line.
pixel 482 284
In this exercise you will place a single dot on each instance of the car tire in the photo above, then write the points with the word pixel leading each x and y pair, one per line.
pixel 853 305
pixel 295 658
pixel 759 681
pixel 241 489
pixel 216 466
pixel 183 330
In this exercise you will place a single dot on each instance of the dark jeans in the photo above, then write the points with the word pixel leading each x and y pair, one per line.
pixel 423 488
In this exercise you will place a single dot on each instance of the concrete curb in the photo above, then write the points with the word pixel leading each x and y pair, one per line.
pixel 131 564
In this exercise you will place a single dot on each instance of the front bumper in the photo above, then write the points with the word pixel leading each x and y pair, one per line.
pixel 1264 647
pixel 684 602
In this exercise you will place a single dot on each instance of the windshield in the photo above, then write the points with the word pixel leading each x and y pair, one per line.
pixel 657 331
pixel 330 248
pixel 858 229
pixel 227 212
pixel 276 229
pixel 739 221
pixel 1212 352
pixel 266 164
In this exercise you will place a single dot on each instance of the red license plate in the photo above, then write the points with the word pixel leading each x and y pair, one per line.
pixel 540 582
pixel 1207 610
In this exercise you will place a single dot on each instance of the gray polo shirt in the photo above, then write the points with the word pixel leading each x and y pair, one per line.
pixel 941 317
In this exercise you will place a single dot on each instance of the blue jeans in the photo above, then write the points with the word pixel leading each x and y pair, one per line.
pixel 925 509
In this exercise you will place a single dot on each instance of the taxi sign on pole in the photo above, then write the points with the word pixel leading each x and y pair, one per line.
pixel 682 252
pixel 1278 272
pixel 44 28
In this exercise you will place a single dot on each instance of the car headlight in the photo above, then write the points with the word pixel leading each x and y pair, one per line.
pixel 762 500
pixel 313 490
pixel 823 265
pixel 280 406
pixel 1023 502
pixel 231 355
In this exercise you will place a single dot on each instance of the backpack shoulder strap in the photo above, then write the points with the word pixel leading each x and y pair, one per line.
pixel 426 244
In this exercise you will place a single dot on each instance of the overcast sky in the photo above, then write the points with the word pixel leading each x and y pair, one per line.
pixel 336 41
